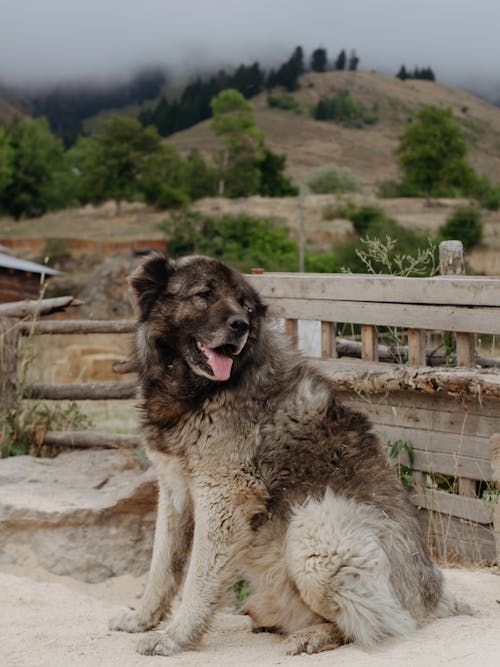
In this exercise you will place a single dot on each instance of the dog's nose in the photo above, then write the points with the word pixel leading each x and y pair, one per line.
pixel 238 324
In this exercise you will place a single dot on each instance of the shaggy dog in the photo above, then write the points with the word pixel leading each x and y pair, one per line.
pixel 263 473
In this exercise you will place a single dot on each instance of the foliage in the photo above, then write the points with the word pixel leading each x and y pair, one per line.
pixel 169 181
pixel 112 160
pixel 319 60
pixel 433 155
pixel 6 159
pixel 465 225
pixel 340 63
pixel 487 195
pixel 386 247
pixel 343 108
pixel 365 216
pixel 404 472
pixel 425 73
pixel 288 74
pixel 242 241
pixel 233 121
pixel 22 432
pixel 333 180
pixel 285 102
pixel 36 177
pixel 273 182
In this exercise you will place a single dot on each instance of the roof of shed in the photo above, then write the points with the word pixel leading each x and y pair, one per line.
pixel 9 262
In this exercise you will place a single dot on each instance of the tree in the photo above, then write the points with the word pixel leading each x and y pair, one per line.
pixel 353 61
pixel 111 161
pixel 6 166
pixel 38 175
pixel 234 123
pixel 319 60
pixel 341 61
pixel 402 74
pixel 273 182
pixel 433 155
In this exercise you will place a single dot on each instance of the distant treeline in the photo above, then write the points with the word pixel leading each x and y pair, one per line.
pixel 66 107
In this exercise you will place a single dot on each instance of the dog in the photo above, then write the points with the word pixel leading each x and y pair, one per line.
pixel 264 474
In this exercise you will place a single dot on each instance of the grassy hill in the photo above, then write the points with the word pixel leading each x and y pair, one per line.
pixel 369 152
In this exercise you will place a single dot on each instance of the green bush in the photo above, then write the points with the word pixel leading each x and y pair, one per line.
pixel 333 180
pixel 343 108
pixel 240 240
pixel 364 217
pixel 284 102
pixel 464 225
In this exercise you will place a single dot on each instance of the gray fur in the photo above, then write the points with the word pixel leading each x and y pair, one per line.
pixel 265 475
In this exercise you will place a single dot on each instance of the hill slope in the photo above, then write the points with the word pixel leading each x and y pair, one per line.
pixel 369 152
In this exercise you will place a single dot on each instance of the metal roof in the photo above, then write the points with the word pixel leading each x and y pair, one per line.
pixel 9 262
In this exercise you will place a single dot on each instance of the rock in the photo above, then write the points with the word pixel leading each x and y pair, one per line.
pixel 88 514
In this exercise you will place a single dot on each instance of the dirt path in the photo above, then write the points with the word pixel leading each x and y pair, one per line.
pixel 50 621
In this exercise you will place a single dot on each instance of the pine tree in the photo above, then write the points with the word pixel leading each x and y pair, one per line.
pixel 319 60
pixel 340 63
pixel 353 61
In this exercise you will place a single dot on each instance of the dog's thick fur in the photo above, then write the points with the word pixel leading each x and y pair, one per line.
pixel 264 473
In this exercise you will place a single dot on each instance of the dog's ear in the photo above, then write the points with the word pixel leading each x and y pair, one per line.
pixel 149 280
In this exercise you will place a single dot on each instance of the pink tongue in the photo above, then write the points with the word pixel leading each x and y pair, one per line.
pixel 219 363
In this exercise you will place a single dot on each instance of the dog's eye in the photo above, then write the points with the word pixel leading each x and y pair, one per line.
pixel 245 305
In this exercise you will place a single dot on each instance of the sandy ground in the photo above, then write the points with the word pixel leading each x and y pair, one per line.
pixel 53 621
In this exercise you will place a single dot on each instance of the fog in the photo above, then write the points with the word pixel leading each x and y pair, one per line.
pixel 48 41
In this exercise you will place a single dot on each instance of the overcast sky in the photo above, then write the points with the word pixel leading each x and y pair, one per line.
pixel 50 40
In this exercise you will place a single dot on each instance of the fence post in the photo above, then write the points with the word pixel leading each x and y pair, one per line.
pixel 329 340
pixel 495 470
pixel 451 263
pixel 369 342
pixel 9 339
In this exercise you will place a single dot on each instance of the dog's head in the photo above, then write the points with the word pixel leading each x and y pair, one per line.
pixel 200 310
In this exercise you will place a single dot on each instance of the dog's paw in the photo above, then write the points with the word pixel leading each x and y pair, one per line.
pixel 129 620
pixel 316 638
pixel 158 643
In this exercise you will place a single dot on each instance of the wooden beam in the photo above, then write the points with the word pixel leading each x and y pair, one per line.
pixel 34 307
pixel 471 509
pixel 292 329
pixel 77 326
pixel 9 346
pixel 92 439
pixel 442 318
pixel 369 343
pixel 453 290
pixel 416 347
pixel 328 340
pixel 84 391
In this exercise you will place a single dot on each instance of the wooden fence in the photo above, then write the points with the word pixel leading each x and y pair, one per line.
pixel 448 419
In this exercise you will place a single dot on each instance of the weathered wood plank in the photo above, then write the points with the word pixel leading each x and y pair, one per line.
pixel 77 326
pixel 367 379
pixel 425 440
pixel 465 348
pixel 80 392
pixel 292 330
pixel 416 347
pixel 9 346
pixel 484 320
pixel 92 439
pixel 369 343
pixel 450 418
pixel 459 539
pixel 328 340
pixel 450 290
pixel 34 307
pixel 472 509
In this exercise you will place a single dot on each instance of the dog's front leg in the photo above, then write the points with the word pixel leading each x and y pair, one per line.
pixel 222 530
pixel 172 541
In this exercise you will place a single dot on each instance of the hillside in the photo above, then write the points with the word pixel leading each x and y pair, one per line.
pixel 369 152
pixel 8 111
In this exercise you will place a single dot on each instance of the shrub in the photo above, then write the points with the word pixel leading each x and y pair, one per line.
pixel 284 102
pixel 333 180
pixel 464 225
pixel 240 240
pixel 362 218
pixel 343 108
